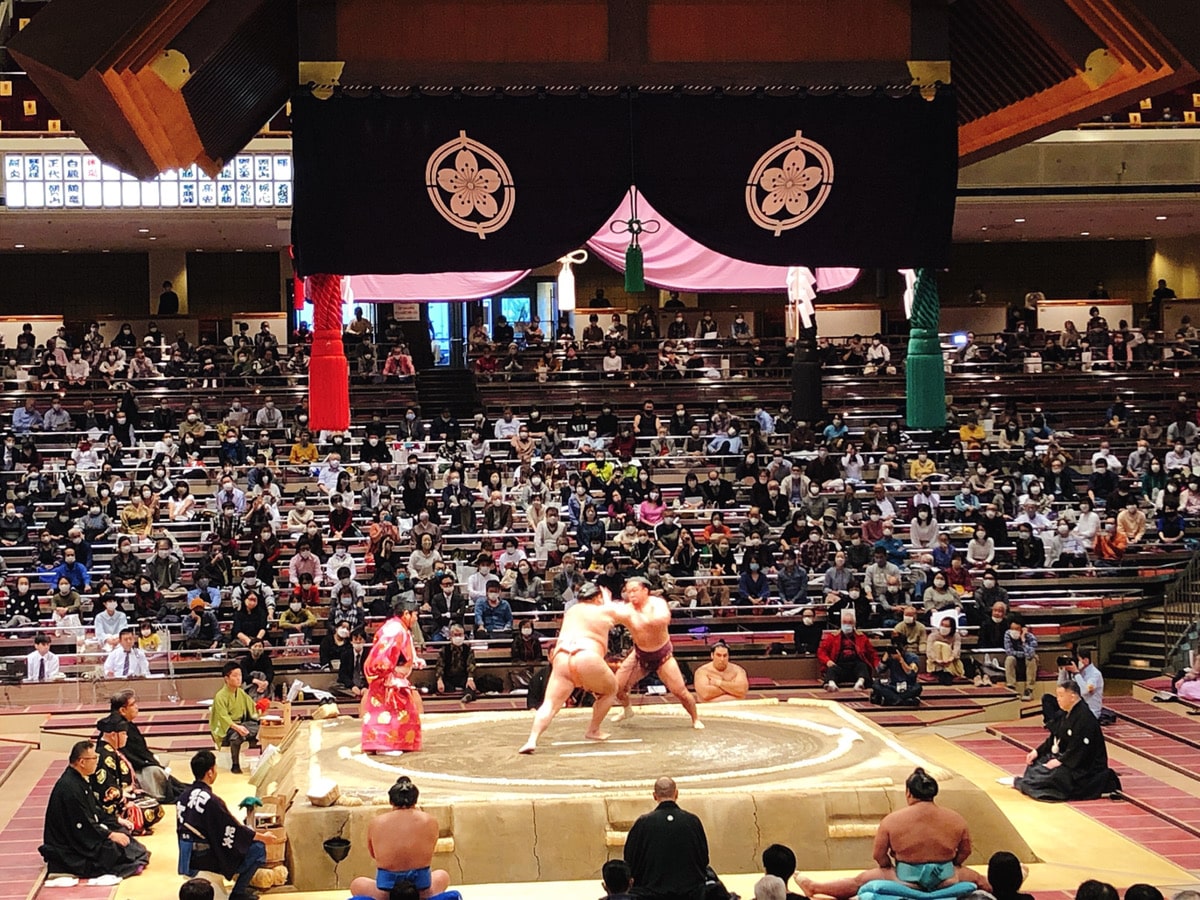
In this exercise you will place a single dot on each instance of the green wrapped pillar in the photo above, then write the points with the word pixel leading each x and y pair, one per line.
pixel 924 367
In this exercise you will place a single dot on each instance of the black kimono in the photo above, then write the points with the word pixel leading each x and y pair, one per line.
pixel 1078 743
pixel 218 841
pixel 75 838
pixel 110 780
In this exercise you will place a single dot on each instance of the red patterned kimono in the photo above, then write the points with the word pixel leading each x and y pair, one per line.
pixel 391 710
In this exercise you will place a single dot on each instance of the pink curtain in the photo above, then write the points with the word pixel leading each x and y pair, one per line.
pixel 675 262
pixel 439 286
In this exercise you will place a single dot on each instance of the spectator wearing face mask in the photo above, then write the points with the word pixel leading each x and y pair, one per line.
pixel 200 628
pixel 1020 658
pixel 336 648
pixel 892 546
pixel 846 655
pixel 493 614
pixel 753 588
pixel 164 571
pixel 456 666
pixel 345 607
pixel 943 652
pixel 806 636
pixel 251 583
pixel 910 633
pixel 298 620
pixel 109 623
pixel 327 475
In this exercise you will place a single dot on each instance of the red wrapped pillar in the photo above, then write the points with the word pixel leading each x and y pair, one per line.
pixel 328 371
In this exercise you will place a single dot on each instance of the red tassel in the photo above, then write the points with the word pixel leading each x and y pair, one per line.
pixel 297 282
pixel 328 370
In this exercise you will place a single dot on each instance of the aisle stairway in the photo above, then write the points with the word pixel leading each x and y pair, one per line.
pixel 447 387
pixel 1142 650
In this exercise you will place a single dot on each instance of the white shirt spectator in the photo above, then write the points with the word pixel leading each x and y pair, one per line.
pixel 1039 522
pixel 327 476
pixel 1086 527
pixel 477 585
pixel 1114 464
pixel 115 665
pixel 108 628
pixel 879 354
pixel 35 671
pixel 545 536
pixel 1174 460
pixel 338 561
pixel 507 427
pixel 269 417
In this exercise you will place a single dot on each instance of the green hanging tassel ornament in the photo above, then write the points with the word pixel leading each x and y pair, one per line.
pixel 924 369
pixel 635 282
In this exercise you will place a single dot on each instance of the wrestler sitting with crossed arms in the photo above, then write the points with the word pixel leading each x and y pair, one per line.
pixel 577 661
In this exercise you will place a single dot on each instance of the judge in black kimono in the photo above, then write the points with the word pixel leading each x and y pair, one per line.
pixel 1072 763
pixel 78 837
pixel 112 782
pixel 210 838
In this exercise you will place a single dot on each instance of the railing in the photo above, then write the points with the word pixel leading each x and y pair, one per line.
pixel 1181 612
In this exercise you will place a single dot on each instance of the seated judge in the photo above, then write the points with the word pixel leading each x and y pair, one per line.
pixel 1072 763
pixel 720 679
pixel 78 838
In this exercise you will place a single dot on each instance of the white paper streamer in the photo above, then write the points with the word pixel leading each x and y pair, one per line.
pixel 910 289
pixel 801 289
pixel 566 279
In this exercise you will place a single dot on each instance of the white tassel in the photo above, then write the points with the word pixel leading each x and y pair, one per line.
pixel 566 279
pixel 801 289
pixel 910 290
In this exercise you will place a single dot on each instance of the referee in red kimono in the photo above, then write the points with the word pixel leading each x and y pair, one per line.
pixel 391 706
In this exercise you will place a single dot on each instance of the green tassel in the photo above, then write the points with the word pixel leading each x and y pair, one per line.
pixel 634 280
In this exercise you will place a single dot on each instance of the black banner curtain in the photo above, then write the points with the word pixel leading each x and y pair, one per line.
pixel 393 185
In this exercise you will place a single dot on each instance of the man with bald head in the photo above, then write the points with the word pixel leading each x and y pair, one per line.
pixel 667 850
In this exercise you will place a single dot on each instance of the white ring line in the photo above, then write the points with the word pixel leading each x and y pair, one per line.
pixel 846 737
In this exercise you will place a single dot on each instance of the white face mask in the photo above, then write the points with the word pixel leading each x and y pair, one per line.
pixel 807 620
pixel 296 607
pixel 944 630
pixel 457 640
pixel 343 633
pixel 908 620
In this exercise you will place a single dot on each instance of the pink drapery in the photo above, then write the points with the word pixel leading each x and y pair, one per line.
pixel 675 262
pixel 672 260
pixel 438 286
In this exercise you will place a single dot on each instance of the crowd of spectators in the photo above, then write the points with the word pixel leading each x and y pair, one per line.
pixel 245 528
